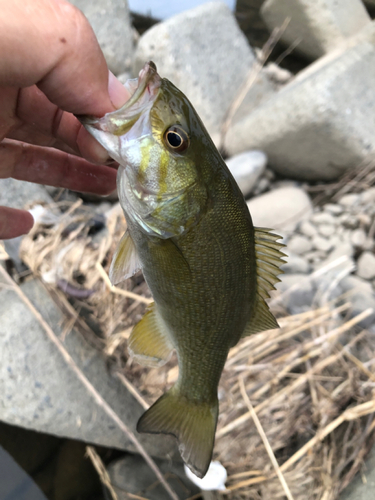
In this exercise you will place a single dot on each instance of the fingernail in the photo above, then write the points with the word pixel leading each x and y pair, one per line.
pixel 100 154
pixel 117 92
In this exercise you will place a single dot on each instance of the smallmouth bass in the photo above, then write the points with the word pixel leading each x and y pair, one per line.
pixel 190 231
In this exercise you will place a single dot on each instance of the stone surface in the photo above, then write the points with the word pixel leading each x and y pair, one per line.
pixel 299 244
pixel 297 292
pixel 205 54
pixel 361 297
pixel 366 266
pixel 110 20
pixel 132 475
pixel 281 209
pixel 39 389
pixel 19 194
pixel 246 168
pixel 295 264
pixel 321 123
pixel 358 490
pixel 307 228
pixel 318 26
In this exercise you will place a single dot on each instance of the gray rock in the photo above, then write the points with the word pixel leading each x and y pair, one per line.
pixel 358 238
pixel 295 264
pixel 246 168
pixel 299 244
pixel 326 230
pixel 307 228
pixel 323 218
pixel 358 489
pixel 206 55
pixel 297 292
pixel 40 390
pixel 333 209
pixel 368 196
pixel 321 243
pixel 361 297
pixel 22 194
pixel 345 249
pixel 366 266
pixel 348 200
pixel 110 21
pixel 132 475
pixel 318 26
pixel 281 209
pixel 320 124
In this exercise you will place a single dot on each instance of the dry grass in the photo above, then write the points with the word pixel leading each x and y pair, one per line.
pixel 308 386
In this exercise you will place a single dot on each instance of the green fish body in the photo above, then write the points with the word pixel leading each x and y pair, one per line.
pixel 190 231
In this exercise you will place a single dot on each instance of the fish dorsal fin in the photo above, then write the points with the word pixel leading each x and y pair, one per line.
pixel 125 262
pixel 149 343
pixel 269 258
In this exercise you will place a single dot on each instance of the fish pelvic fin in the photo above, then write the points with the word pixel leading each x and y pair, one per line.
pixel 125 262
pixel 193 424
pixel 149 343
pixel 269 258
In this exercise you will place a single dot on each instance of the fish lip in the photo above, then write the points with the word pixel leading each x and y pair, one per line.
pixel 148 80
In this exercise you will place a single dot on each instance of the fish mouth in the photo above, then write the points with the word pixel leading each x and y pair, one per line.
pixel 119 122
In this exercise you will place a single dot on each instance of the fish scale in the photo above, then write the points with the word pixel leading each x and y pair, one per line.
pixel 190 231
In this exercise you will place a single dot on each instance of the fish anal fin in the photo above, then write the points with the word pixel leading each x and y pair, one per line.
pixel 261 320
pixel 125 262
pixel 149 343
pixel 193 424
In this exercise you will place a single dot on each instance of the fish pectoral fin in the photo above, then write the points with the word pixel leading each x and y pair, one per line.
pixel 261 320
pixel 149 343
pixel 193 424
pixel 125 262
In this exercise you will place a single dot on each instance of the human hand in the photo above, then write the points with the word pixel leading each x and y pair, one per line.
pixel 51 66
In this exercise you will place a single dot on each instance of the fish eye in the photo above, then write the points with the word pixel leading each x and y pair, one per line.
pixel 176 139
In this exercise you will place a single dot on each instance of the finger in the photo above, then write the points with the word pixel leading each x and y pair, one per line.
pixel 57 49
pixel 14 222
pixel 36 110
pixel 55 168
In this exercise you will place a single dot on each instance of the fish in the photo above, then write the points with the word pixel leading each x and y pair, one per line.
pixel 189 230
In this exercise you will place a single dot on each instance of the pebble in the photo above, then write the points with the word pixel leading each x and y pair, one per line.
pixel 366 266
pixel 246 168
pixel 321 243
pixel 348 200
pixel 299 245
pixel 349 221
pixel 333 209
pixel 295 264
pixel 326 229
pixel 324 218
pixel 368 196
pixel 307 228
pixel 358 238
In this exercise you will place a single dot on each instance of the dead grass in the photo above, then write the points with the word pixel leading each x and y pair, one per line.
pixel 308 386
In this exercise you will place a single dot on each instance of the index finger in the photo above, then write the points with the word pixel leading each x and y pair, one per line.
pixel 53 46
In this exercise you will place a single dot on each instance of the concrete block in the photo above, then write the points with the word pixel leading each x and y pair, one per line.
pixel 206 55
pixel 318 25
pixel 321 123
pixel 110 20
pixel 40 390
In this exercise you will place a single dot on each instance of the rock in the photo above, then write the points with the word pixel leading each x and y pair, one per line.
pixel 358 238
pixel 368 196
pixel 345 249
pixel 317 26
pixel 361 297
pixel 110 21
pixel 22 194
pixel 326 230
pixel 359 489
pixel 299 245
pixel 323 218
pixel 333 209
pixel 349 221
pixel 132 475
pixel 41 391
pixel 281 209
pixel 321 243
pixel 297 292
pixel 205 54
pixel 295 264
pixel 246 168
pixel 321 123
pixel 307 228
pixel 366 266
pixel 348 200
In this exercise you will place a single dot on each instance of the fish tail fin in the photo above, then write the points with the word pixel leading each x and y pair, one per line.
pixel 193 424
